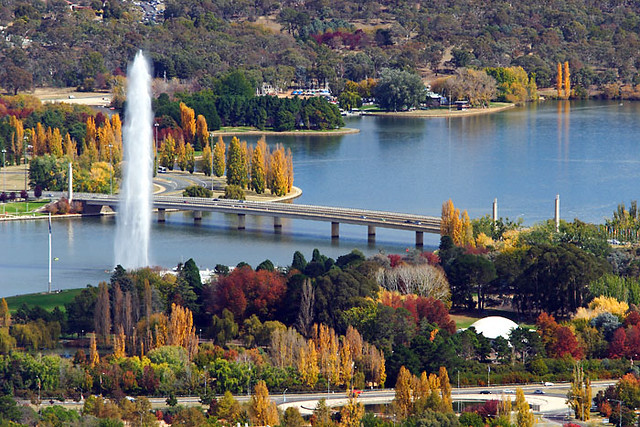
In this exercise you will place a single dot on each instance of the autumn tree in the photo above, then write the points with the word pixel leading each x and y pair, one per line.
pixel 278 172
pixel 258 166
pixel 188 122
pixel 70 147
pixel 579 396
pixel 168 152
pixel 119 343
pixel 181 331
pixel 202 133
pixel 190 158
pixel 181 155
pixel 403 402
pixel 206 160
pixel 524 413
pixel 94 357
pixel 17 139
pixel 263 411
pixel 102 314
pixel 567 80
pixel 559 80
pixel 55 143
pixel 5 315
pixel 445 390
pixel 237 164
pixel 351 413
pixel 219 153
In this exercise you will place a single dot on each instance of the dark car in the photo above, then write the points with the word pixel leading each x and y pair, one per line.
pixel 485 392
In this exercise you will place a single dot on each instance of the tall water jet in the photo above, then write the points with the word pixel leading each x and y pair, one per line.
pixel 134 208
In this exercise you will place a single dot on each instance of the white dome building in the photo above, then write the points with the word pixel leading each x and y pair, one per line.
pixel 493 327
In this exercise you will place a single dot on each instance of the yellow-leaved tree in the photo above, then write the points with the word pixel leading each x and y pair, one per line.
pixel 567 80
pixel 559 81
pixel 524 414
pixel 351 413
pixel 206 160
pixel 181 330
pixel 263 411
pixel 403 402
pixel 579 395
pixel 202 133
pixel 219 154
pixel 5 315
pixel 70 147
pixel 188 122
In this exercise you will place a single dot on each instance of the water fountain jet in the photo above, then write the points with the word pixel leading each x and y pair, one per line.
pixel 134 208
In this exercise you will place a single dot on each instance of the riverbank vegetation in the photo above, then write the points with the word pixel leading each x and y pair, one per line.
pixel 352 322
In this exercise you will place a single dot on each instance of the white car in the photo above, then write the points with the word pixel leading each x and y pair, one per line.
pixel 548 384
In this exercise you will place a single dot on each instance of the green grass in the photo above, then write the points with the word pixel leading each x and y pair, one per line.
pixel 23 208
pixel 44 300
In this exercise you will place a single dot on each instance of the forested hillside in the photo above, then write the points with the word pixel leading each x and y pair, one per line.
pixel 52 43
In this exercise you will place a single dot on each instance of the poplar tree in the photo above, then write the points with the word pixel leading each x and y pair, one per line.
pixel 206 160
pixel 168 156
pixel 181 155
pixel 70 147
pixel 351 413
pixel 524 414
pixel 55 144
pixel 236 164
pixel 219 152
pixel 94 357
pixel 579 396
pixel 102 314
pixel 403 401
pixel 567 80
pixel 263 411
pixel 188 122
pixel 445 390
pixel 190 158
pixel 258 177
pixel 202 133
pixel 559 81
pixel 39 140
pixel 5 315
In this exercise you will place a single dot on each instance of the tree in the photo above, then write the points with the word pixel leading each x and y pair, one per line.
pixel 168 152
pixel 524 413
pixel 263 412
pixel 476 86
pixel 102 316
pixel 258 166
pixel 181 155
pixel 190 159
pixel 206 160
pixel 197 191
pixel 579 396
pixel 5 315
pixel 292 418
pixel 188 122
pixel 567 80
pixel 403 401
pixel 202 133
pixel 237 164
pixel 351 413
pixel 16 78
pixel 399 90
pixel 219 152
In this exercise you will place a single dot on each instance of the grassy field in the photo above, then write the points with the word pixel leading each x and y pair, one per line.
pixel 44 300
pixel 23 208
pixel 467 318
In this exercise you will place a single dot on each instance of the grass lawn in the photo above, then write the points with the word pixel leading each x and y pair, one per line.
pixel 23 208
pixel 467 318
pixel 44 300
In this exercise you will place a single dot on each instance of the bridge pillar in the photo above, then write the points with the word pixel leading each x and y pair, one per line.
pixel 197 216
pixel 419 238
pixel 371 233
pixel 277 222
pixel 241 221
pixel 161 213
pixel 335 230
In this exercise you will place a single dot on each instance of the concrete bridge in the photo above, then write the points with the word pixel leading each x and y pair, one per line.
pixel 419 224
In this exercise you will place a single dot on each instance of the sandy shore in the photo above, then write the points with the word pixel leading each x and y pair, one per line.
pixel 71 96
pixel 445 113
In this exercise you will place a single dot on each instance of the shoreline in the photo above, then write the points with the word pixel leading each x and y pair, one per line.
pixel 442 113
pixel 294 194
pixel 341 131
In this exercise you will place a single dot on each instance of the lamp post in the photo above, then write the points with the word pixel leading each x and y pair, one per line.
pixel 488 376
pixel 211 145
pixel 4 152
pixel 155 146
pixel 111 171
pixel 284 396
pixel 26 148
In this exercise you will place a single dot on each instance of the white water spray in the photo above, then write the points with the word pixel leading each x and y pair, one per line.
pixel 134 210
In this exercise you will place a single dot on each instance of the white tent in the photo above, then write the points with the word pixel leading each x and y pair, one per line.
pixel 493 327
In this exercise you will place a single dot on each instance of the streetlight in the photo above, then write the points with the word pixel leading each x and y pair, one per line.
pixel 155 147
pixel 26 148
pixel 111 171
pixel 284 397
pixel 211 145
pixel 3 166
pixel 488 374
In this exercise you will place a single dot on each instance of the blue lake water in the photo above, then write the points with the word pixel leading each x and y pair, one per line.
pixel 587 152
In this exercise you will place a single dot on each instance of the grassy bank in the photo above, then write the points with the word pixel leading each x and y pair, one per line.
pixel 44 300
pixel 22 208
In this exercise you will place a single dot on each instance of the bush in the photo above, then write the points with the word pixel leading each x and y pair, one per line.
pixel 233 192
pixel 197 191
pixel 3 197
pixel 24 195
pixel 37 192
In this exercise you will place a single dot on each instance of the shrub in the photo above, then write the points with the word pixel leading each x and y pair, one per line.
pixel 233 192
pixel 37 192
pixel 197 191
pixel 24 195
pixel 12 195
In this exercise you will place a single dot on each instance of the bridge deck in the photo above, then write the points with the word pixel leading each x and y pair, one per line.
pixel 383 219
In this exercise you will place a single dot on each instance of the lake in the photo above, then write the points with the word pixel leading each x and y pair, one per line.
pixel 587 152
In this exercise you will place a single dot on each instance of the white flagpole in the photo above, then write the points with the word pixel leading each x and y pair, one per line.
pixel 49 252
